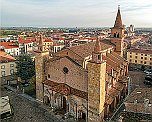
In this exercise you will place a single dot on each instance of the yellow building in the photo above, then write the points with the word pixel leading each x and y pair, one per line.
pixel 140 56
pixel 8 68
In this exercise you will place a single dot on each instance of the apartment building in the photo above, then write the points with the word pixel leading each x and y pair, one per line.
pixel 140 57
pixel 10 48
pixel 7 68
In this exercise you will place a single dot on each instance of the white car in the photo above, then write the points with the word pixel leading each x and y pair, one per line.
pixel 148 72
pixel 6 111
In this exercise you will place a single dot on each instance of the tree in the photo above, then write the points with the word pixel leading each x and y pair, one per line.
pixel 25 67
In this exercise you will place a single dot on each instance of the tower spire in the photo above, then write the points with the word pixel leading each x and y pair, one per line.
pixel 97 47
pixel 40 43
pixel 118 21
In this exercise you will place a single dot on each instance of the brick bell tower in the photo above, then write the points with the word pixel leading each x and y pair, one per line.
pixel 96 85
pixel 117 34
pixel 41 54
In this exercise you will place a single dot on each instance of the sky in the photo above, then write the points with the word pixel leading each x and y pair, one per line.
pixel 74 13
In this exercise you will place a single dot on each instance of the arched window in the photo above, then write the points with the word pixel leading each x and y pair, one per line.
pixel 114 34
pixel 99 57
pixel 118 35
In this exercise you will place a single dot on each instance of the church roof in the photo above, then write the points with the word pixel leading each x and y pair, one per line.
pixel 86 50
pixel 65 89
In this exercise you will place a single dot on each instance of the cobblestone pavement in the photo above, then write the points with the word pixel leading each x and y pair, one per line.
pixel 26 110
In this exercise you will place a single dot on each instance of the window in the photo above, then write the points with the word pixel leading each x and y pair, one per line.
pixel 145 62
pixel 136 57
pixel 12 71
pixel 3 73
pixel 141 57
pixel 145 58
pixel 142 54
pixel 130 60
pixel 48 75
pixel 11 65
pixel 130 56
pixel 3 67
pixel 136 53
pixel 65 70
pixel 150 63
pixel 135 61
pixel 99 57
pixel 145 54
pixel 150 58
pixel 141 61
pixel 130 53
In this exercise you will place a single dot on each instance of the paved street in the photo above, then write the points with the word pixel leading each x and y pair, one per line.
pixel 26 110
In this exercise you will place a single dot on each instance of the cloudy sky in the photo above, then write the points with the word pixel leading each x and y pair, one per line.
pixel 75 13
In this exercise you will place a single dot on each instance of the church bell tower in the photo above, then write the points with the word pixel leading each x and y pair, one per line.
pixel 96 85
pixel 117 34
pixel 40 68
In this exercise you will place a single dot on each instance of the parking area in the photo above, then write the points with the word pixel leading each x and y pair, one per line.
pixel 137 79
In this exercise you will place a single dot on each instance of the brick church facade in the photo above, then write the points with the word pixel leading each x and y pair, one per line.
pixel 86 81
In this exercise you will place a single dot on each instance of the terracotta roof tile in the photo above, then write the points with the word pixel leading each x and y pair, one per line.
pixel 26 40
pixel 62 89
pixel 140 94
pixel 9 45
pixel 108 99
pixel 86 49
pixel 140 51
pixel 50 83
pixel 65 89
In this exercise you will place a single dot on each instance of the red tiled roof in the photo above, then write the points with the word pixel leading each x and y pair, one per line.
pixel 50 83
pixel 9 45
pixel 108 100
pixel 65 89
pixel 86 50
pixel 26 40
pixel 140 94
pixel 48 40
pixel 4 57
pixel 62 89
pixel 140 51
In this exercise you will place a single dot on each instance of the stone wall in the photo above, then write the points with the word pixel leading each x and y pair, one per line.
pixel 96 91
pixel 40 76
pixel 76 76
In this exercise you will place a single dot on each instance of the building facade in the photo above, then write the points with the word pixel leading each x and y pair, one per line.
pixel 8 68
pixel 140 57
pixel 87 81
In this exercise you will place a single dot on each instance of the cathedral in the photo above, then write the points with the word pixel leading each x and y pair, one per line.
pixel 87 81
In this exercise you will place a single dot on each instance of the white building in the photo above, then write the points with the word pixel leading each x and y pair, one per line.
pixel 10 48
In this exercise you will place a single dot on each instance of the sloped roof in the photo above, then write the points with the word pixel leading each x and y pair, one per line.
pixel 65 89
pixel 86 50
pixel 9 45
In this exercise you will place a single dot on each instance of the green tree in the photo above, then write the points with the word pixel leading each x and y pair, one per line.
pixel 25 67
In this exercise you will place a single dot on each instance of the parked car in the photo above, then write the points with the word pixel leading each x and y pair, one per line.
pixel 148 80
pixel 148 72
pixel 6 108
